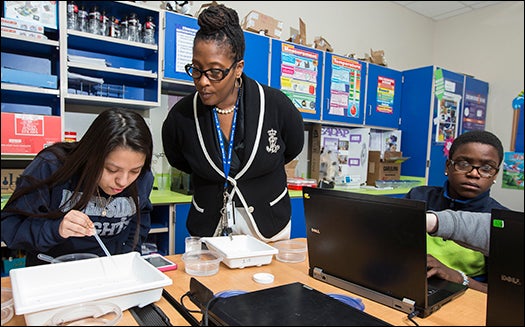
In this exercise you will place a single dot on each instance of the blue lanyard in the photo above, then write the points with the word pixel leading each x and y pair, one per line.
pixel 226 161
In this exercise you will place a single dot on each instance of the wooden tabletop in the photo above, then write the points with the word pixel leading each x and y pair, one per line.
pixel 466 310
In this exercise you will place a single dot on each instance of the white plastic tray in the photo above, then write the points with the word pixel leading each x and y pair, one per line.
pixel 241 251
pixel 126 280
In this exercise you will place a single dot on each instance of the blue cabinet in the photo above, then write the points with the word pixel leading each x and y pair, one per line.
pixel 298 220
pixel 437 106
pixel 181 232
pixel 383 96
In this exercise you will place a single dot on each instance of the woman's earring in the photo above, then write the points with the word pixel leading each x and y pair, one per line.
pixel 446 173
pixel 494 182
pixel 238 82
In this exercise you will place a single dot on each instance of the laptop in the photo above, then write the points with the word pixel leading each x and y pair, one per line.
pixel 373 246
pixel 292 304
pixel 505 269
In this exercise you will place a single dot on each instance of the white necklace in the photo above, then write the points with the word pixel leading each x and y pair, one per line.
pixel 225 111
pixel 103 203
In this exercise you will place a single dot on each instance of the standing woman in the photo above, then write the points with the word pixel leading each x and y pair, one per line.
pixel 70 191
pixel 234 136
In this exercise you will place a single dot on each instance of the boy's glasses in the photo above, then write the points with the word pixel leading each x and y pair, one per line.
pixel 485 171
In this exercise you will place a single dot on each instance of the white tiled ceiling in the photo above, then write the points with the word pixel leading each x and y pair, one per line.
pixel 438 10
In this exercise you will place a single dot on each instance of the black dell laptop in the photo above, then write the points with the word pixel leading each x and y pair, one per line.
pixel 505 269
pixel 373 246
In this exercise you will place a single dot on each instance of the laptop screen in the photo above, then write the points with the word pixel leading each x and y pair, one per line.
pixel 379 242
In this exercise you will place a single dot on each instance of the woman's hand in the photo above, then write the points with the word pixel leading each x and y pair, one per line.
pixel 76 224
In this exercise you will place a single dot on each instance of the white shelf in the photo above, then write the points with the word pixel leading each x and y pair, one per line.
pixel 29 89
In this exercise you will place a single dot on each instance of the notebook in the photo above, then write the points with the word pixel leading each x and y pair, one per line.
pixel 373 246
pixel 505 269
pixel 292 304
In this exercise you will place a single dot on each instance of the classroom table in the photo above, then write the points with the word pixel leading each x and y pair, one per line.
pixel 468 309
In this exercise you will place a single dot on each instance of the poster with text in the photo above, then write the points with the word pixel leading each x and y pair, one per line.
pixel 513 171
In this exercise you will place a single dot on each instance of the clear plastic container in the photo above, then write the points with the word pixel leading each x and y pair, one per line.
pixel 201 262
pixel 7 305
pixel 123 28
pixel 133 28
pixel 82 24
pixel 149 31
pixel 87 314
pixel 72 15
pixel 291 251
pixel 74 257
pixel 94 20
pixel 104 24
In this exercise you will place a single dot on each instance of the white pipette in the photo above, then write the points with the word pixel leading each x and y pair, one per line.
pixel 101 243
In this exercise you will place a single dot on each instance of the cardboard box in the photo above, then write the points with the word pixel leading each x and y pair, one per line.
pixel 9 178
pixel 23 133
pixel 258 22
pixel 299 37
pixel 314 155
pixel 321 44
pixel 387 168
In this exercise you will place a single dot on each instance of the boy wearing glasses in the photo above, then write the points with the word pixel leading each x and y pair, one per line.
pixel 472 168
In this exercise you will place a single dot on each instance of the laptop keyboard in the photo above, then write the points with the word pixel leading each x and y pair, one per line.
pixel 432 290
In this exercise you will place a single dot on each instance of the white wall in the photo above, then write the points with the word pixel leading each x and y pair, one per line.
pixel 487 44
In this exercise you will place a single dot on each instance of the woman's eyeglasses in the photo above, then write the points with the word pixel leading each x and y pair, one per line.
pixel 485 171
pixel 213 74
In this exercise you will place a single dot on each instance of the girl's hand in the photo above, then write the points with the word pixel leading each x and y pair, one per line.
pixel 76 224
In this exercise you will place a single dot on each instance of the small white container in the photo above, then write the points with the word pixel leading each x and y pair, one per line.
pixel 241 250
pixel 126 280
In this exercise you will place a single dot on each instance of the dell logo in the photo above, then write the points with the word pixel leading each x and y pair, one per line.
pixel 315 230
pixel 511 279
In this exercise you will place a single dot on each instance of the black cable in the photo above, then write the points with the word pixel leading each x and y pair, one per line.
pixel 187 294
pixel 185 313
pixel 412 315
pixel 205 313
